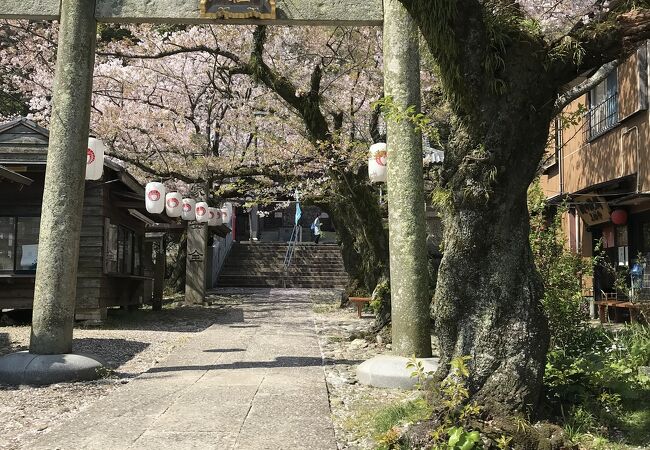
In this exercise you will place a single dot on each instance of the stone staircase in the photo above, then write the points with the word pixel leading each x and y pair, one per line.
pixel 257 264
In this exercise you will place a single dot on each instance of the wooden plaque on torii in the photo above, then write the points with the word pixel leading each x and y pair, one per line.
pixel 238 9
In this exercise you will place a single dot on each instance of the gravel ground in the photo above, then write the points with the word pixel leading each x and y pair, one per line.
pixel 130 342
pixel 346 342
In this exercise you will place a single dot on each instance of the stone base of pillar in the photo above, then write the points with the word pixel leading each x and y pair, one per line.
pixel 389 371
pixel 28 368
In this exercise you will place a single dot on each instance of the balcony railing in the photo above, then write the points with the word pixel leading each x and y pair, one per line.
pixel 601 118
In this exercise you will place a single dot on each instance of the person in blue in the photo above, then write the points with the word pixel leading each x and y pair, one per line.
pixel 315 228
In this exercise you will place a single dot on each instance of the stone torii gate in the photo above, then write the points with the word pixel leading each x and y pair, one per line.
pixel 49 359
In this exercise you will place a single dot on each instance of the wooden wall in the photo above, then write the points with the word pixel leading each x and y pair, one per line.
pixel 620 152
pixel 19 292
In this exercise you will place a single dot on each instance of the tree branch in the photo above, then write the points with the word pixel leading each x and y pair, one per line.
pixel 586 86
pixel 614 35
pixel 216 51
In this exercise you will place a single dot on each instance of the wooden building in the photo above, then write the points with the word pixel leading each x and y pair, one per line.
pixel 600 165
pixel 115 262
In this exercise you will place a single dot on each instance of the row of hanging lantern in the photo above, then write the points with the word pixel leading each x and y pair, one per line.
pixel 157 200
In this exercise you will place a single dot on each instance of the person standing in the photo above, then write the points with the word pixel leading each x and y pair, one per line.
pixel 315 228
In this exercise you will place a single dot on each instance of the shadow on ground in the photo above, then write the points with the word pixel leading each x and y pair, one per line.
pixel 279 362
pixel 105 348
pixel 183 319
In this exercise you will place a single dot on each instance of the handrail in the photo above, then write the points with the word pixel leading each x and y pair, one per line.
pixel 288 257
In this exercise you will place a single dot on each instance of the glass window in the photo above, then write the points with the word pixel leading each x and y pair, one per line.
pixel 137 252
pixel 123 251
pixel 111 252
pixel 621 236
pixel 27 242
pixel 121 238
pixel 7 227
pixel 603 105
pixel 128 252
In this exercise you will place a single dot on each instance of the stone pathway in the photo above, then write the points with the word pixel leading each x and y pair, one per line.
pixel 253 380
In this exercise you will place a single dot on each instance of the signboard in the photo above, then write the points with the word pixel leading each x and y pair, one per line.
pixel 196 256
pixel 238 9
pixel 593 209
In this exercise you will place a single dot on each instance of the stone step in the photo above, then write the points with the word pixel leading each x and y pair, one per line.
pixel 244 262
pixel 292 271
pixel 280 262
pixel 239 253
pixel 261 265
pixel 279 283
pixel 292 277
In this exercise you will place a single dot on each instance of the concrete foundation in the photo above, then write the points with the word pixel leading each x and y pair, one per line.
pixel 389 371
pixel 28 368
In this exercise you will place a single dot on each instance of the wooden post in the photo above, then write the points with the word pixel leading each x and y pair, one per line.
pixel 406 212
pixel 197 264
pixel 159 275
pixel 58 247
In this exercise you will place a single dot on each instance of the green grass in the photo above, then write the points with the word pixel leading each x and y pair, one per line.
pixel 635 422
pixel 629 428
pixel 395 415
pixel 374 422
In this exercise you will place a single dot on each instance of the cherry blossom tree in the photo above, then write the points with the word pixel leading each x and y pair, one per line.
pixel 245 112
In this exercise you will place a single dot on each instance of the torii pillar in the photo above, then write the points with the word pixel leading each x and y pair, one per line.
pixel 411 325
pixel 49 359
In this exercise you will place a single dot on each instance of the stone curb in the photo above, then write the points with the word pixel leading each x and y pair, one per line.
pixel 28 368
pixel 389 371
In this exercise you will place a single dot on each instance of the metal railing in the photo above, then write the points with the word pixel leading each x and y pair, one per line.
pixel 296 236
pixel 601 117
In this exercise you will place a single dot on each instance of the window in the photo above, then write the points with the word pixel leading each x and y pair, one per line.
pixel 603 106
pixel 19 243
pixel 7 236
pixel 27 243
pixel 137 255
pixel 123 251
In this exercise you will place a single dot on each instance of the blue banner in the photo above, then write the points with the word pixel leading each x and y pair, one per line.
pixel 298 212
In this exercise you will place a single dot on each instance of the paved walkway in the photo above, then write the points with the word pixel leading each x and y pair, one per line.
pixel 252 381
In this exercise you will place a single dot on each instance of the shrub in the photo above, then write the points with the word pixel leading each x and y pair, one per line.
pixel 561 270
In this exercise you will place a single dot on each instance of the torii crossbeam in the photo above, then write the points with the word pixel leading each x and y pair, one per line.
pixel 288 12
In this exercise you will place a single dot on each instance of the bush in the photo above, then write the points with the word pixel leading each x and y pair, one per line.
pixel 592 382
pixel 561 270
pixel 595 387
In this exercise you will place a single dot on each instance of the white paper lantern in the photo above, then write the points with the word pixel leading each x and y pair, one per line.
pixel 201 210
pixel 173 204
pixel 215 217
pixel 155 197
pixel 188 209
pixel 95 159
pixel 377 163
pixel 226 213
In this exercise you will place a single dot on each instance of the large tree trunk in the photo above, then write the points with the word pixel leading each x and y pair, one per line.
pixel 487 303
pixel 364 240
pixel 488 297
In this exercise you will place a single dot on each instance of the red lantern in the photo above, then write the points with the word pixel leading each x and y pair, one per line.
pixel 619 217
